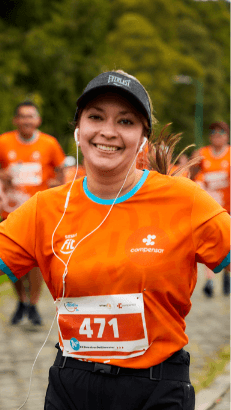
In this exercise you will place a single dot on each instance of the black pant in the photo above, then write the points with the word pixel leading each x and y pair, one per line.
pixel 74 389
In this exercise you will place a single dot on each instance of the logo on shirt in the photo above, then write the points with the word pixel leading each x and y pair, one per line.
pixel 224 164
pixel 69 244
pixel 12 155
pixel 36 155
pixel 146 246
pixel 149 240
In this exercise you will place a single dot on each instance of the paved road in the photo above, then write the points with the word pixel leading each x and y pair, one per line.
pixel 207 328
pixel 223 403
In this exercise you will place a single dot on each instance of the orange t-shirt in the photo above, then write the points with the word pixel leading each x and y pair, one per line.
pixel 129 283
pixel 31 164
pixel 214 175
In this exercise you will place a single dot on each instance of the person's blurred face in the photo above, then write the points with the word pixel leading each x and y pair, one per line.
pixel 110 133
pixel 183 160
pixel 218 138
pixel 27 120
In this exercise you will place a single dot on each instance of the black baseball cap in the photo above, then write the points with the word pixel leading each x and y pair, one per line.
pixel 128 87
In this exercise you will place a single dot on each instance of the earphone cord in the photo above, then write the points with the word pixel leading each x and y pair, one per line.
pixel 66 264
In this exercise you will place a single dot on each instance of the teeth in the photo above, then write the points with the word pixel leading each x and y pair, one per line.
pixel 106 148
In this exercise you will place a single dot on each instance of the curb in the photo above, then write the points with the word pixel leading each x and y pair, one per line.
pixel 206 398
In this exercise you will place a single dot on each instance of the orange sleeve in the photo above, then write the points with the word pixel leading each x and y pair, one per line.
pixel 58 155
pixel 211 230
pixel 18 239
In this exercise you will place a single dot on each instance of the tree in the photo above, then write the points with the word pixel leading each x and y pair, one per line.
pixel 55 54
pixel 156 40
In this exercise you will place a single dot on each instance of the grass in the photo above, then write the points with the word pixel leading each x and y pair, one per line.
pixel 3 279
pixel 213 368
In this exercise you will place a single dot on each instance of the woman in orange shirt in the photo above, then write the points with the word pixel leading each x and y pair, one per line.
pixel 118 250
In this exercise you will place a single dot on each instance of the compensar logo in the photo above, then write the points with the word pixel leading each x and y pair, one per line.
pixel 147 245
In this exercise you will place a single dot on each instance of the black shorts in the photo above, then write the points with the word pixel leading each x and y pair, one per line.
pixel 75 389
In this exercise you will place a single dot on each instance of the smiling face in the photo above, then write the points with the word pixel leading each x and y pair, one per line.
pixel 110 134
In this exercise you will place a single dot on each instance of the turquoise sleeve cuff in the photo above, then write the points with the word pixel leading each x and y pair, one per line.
pixel 7 271
pixel 223 264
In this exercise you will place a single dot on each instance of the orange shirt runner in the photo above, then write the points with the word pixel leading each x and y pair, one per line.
pixel 128 286
pixel 214 175
pixel 30 164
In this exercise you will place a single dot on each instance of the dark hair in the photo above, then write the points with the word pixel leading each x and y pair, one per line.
pixel 25 104
pixel 220 124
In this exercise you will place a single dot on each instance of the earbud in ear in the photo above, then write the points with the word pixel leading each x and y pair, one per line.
pixel 76 135
pixel 143 144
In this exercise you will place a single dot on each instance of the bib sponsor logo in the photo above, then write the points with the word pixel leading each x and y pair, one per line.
pixel 74 344
pixel 71 306
pixel 69 244
pixel 146 245
pixel 121 305
pixel 118 81
pixel 108 305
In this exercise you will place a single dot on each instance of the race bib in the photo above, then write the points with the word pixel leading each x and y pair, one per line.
pixel 217 180
pixel 27 173
pixel 103 327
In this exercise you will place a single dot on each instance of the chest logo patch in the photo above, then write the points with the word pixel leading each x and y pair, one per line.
pixel 147 245
pixel 149 240
pixel 12 155
pixel 69 244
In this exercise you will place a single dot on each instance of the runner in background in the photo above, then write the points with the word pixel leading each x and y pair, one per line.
pixel 181 162
pixel 213 175
pixel 29 159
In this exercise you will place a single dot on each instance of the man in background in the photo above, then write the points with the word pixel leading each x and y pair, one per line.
pixel 213 175
pixel 29 159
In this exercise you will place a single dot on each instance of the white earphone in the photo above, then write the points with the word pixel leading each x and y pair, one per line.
pixel 143 144
pixel 76 136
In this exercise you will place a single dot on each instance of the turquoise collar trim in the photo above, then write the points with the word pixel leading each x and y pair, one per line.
pixel 121 198
pixel 28 141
